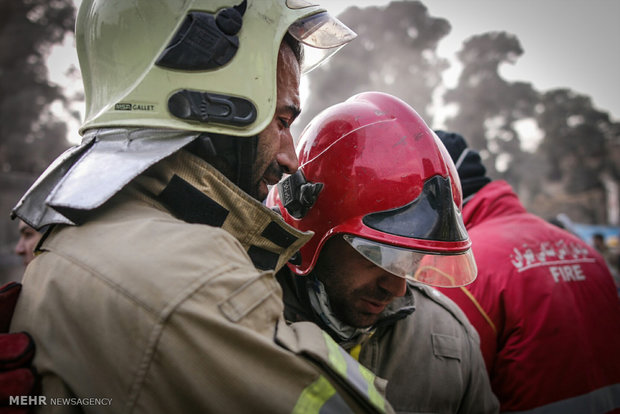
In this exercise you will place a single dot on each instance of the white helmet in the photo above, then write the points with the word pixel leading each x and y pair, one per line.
pixel 197 65
pixel 157 74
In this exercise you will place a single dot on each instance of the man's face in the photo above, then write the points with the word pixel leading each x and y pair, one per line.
pixel 28 239
pixel 358 290
pixel 275 153
pixel 599 243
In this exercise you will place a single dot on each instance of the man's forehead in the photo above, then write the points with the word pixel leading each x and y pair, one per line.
pixel 289 74
pixel 288 66
pixel 287 54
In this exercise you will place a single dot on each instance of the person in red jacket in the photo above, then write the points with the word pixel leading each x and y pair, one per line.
pixel 544 302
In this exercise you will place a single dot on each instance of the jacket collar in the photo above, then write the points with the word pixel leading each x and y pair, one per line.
pixel 194 191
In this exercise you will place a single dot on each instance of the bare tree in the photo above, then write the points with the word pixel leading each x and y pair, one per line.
pixel 29 135
pixel 581 147
pixel 489 106
pixel 395 52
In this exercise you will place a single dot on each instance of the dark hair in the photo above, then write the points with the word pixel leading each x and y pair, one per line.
pixel 295 46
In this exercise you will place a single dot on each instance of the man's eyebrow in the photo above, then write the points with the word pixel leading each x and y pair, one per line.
pixel 293 109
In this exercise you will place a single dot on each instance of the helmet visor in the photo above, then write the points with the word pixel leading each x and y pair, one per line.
pixel 434 269
pixel 321 35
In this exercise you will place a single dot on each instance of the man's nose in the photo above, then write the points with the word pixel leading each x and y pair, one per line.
pixel 397 286
pixel 20 249
pixel 286 157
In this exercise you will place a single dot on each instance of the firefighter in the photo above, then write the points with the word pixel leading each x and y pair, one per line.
pixel 28 239
pixel 544 303
pixel 154 286
pixel 383 199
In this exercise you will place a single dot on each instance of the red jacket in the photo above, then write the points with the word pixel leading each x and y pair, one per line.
pixel 546 309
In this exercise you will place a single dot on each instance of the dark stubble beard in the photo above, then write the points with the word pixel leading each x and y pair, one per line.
pixel 272 170
pixel 339 295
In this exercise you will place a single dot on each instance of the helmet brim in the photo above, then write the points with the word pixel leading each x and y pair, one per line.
pixel 321 35
pixel 429 268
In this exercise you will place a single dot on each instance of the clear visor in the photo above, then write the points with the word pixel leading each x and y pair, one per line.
pixel 438 269
pixel 321 35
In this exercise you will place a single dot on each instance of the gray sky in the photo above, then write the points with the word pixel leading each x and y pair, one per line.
pixel 566 43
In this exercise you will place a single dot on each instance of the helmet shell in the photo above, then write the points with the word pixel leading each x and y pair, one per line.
pixel 373 153
pixel 120 41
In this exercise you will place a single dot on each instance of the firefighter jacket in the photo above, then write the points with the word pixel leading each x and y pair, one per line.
pixel 156 304
pixel 423 345
pixel 545 307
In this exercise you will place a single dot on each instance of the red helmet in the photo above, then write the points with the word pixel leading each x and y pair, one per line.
pixel 371 170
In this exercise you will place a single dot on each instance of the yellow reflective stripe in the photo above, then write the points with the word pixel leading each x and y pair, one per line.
pixel 314 396
pixel 362 377
pixel 335 357
pixel 373 394
pixel 355 351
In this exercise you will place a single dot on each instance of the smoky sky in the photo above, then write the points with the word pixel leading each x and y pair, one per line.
pixel 567 43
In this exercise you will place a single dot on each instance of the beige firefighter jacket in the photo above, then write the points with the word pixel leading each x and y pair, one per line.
pixel 424 346
pixel 137 310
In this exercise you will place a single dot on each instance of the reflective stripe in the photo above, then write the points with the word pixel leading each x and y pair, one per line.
pixel 598 401
pixel 314 396
pixel 358 375
pixel 355 352
pixel 375 397
pixel 336 358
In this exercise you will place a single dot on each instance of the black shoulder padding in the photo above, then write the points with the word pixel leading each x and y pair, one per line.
pixel 191 205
